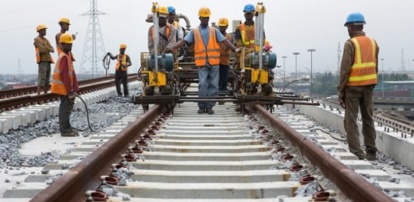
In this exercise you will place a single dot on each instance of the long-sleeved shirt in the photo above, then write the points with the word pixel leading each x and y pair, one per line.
pixel 44 48
pixel 64 75
pixel 162 42
pixel 347 62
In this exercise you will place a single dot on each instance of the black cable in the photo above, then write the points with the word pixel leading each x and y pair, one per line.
pixel 106 61
pixel 330 134
pixel 87 115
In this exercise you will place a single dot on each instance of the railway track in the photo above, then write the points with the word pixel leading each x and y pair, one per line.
pixel 16 98
pixel 156 156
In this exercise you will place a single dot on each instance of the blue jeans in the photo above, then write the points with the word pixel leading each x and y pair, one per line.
pixel 208 79
pixel 224 77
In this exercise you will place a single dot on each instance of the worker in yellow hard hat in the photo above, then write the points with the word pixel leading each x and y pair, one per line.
pixel 166 35
pixel 65 84
pixel 64 27
pixel 206 42
pixel 43 58
pixel 123 61
pixel 225 52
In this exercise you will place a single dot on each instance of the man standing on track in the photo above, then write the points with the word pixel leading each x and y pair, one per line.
pixel 358 77
pixel 207 58
pixel 123 61
pixel 65 84
pixel 43 58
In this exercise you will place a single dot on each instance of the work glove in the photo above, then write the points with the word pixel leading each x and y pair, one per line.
pixel 72 95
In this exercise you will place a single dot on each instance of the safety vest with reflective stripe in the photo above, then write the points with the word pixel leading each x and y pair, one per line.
pixel 201 53
pixel 122 61
pixel 363 71
pixel 247 35
pixel 38 53
pixel 225 52
pixel 57 85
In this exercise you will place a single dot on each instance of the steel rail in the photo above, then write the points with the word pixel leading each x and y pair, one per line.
pixel 350 183
pixel 85 176
pixel 17 102
pixel 32 89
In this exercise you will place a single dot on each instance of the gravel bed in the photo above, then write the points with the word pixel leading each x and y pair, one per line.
pixel 101 115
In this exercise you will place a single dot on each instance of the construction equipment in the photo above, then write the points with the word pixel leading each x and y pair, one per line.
pixel 164 76
pixel 156 68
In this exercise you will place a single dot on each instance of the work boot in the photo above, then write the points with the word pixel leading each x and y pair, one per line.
pixel 201 111
pixel 210 111
pixel 371 156
pixel 72 133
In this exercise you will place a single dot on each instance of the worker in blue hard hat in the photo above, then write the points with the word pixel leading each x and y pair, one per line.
pixel 172 20
pixel 244 35
pixel 358 77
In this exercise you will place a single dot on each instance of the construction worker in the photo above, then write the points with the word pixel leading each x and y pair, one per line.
pixel 207 57
pixel 167 32
pixel 177 26
pixel 225 52
pixel 358 77
pixel 65 84
pixel 121 70
pixel 43 58
pixel 64 27
pixel 244 35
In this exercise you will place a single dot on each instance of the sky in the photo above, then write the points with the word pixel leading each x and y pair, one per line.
pixel 290 26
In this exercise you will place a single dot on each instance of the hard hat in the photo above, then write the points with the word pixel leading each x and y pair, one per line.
pixel 204 12
pixel 223 22
pixel 64 20
pixel 66 38
pixel 249 8
pixel 40 27
pixel 171 10
pixel 123 46
pixel 355 18
pixel 163 11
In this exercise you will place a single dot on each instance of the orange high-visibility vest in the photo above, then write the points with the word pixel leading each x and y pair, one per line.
pixel 38 53
pixel 57 85
pixel 201 53
pixel 247 35
pixel 121 61
pixel 167 30
pixel 363 71
pixel 225 52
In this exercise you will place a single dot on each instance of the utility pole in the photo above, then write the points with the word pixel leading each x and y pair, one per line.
pixel 310 89
pixel 284 70
pixel 382 76
pixel 296 70
pixel 19 67
pixel 402 61
pixel 94 45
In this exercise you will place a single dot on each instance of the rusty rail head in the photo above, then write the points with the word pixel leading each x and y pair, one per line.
pixel 85 176
pixel 350 183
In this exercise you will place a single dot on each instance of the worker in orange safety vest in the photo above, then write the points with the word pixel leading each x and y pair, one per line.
pixel 65 84
pixel 206 42
pixel 123 61
pixel 357 80
pixel 43 59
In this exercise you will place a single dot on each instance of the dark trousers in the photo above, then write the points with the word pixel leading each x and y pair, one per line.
pixel 121 76
pixel 224 77
pixel 359 97
pixel 65 108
